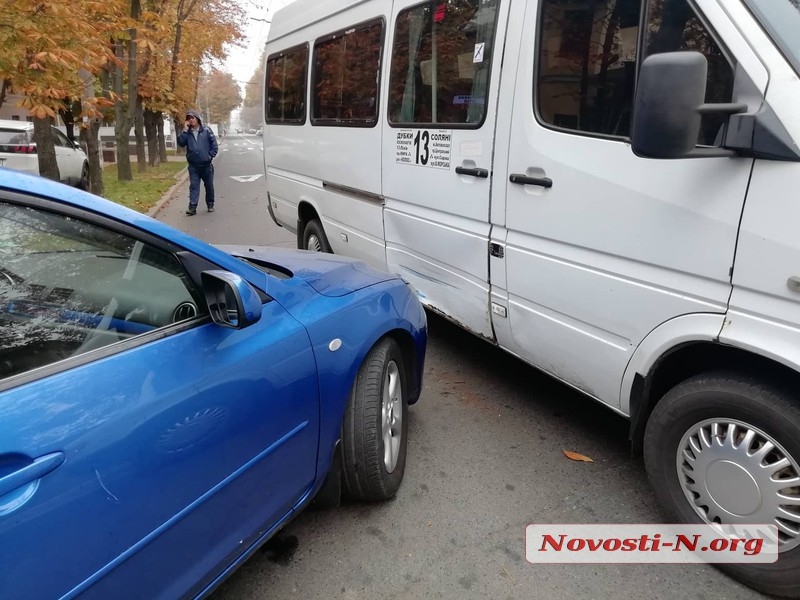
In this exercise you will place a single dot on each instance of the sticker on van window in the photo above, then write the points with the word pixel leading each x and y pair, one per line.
pixel 477 53
pixel 424 147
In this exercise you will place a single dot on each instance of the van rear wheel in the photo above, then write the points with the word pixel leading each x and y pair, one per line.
pixel 314 237
pixel 721 448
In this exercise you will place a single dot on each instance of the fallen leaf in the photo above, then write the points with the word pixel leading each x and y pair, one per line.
pixel 509 576
pixel 576 456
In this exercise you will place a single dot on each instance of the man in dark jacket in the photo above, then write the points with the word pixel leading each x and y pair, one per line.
pixel 201 148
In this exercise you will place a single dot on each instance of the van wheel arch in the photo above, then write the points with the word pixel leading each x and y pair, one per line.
pixel 689 360
pixel 306 213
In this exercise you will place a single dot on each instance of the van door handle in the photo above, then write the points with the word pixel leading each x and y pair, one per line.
pixel 36 470
pixel 482 173
pixel 545 182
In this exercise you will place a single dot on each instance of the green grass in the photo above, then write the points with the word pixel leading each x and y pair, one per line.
pixel 146 189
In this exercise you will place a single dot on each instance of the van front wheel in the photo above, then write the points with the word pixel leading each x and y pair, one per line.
pixel 720 448
pixel 314 237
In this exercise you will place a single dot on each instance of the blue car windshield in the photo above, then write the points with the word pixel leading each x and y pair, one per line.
pixel 781 19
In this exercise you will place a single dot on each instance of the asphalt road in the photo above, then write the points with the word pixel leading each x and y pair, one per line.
pixel 240 215
pixel 485 459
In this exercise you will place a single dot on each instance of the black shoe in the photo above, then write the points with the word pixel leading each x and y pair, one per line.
pixel 191 211
pixel 210 208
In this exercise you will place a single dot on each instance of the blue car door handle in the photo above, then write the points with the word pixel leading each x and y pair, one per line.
pixel 37 469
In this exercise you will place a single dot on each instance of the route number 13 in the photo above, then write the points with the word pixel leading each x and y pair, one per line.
pixel 421 141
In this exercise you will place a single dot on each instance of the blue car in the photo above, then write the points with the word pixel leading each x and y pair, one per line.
pixel 166 406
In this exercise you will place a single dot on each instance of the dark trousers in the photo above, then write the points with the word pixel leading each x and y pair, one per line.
pixel 206 174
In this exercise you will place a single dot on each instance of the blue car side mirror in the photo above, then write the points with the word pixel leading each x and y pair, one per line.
pixel 231 301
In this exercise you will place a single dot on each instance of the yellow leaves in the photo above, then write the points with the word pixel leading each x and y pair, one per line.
pixel 61 58
pixel 576 457
pixel 37 109
pixel 48 43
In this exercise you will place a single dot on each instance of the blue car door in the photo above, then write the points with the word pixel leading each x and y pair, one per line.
pixel 142 447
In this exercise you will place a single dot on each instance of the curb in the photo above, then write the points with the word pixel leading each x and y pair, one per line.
pixel 180 178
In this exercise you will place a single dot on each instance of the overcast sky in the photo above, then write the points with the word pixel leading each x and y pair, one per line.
pixel 242 62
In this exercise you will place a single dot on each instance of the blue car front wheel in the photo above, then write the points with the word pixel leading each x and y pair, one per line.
pixel 375 432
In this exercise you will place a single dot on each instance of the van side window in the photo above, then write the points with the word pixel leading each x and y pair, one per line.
pixel 347 76
pixel 441 61
pixel 286 86
pixel 587 64
pixel 588 57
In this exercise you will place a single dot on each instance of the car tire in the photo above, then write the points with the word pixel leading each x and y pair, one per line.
pixel 314 237
pixel 83 182
pixel 375 429
pixel 730 483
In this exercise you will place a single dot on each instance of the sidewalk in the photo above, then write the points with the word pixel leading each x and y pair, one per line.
pixel 181 180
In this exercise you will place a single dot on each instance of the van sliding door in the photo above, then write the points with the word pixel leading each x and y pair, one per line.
pixel 438 145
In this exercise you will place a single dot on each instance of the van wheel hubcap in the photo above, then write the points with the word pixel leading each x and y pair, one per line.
pixel 313 243
pixel 732 472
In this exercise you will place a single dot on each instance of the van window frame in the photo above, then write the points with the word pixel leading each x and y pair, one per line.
pixel 754 7
pixel 644 15
pixel 280 54
pixel 437 125
pixel 312 97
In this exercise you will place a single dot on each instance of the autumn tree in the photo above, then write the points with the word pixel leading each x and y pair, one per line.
pixel 157 80
pixel 154 97
pixel 203 30
pixel 252 90
pixel 49 49
pixel 218 95
pixel 53 56
pixel 126 49
pixel 251 114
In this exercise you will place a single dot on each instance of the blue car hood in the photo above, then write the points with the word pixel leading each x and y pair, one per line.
pixel 328 274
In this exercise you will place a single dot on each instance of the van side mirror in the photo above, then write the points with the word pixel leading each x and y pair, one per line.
pixel 669 105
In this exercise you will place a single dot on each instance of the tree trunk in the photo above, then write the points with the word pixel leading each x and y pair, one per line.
pixel 151 119
pixel 122 126
pixel 162 140
pixel 138 128
pixel 45 148
pixel 4 90
pixel 90 133
pixel 176 49
pixel 134 101
pixel 90 136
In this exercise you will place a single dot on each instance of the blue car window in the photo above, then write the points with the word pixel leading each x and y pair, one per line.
pixel 68 286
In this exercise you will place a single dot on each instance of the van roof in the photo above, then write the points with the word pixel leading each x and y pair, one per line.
pixel 303 13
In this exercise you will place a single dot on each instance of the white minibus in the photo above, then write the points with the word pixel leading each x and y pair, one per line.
pixel 607 189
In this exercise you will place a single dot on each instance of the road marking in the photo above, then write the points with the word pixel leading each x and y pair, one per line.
pixel 246 178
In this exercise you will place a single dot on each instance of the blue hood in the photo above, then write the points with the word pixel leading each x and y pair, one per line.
pixel 328 274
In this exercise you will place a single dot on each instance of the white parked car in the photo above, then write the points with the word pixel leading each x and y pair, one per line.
pixel 18 152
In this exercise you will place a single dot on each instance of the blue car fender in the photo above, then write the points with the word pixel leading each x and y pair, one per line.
pixel 342 331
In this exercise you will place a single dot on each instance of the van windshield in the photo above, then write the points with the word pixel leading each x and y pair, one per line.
pixel 781 19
